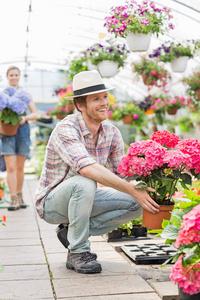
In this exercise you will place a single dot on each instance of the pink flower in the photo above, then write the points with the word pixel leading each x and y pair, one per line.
pixel 110 112
pixel 186 278
pixel 165 138
pixel 135 116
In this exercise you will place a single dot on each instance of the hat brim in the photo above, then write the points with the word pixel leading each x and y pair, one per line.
pixel 86 94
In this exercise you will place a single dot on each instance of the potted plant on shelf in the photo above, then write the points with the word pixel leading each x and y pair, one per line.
pixel 193 81
pixel 129 114
pixel 63 94
pixel 152 73
pixel 137 21
pixel 183 230
pixel 13 105
pixel 176 53
pixel 156 163
pixel 59 112
pixel 108 56
pixel 168 104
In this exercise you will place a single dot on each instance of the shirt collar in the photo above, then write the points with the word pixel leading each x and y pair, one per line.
pixel 85 131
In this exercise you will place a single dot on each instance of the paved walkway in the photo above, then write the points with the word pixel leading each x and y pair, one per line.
pixel 34 263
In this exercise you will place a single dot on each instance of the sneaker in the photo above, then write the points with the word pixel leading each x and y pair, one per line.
pixel 21 200
pixel 62 231
pixel 14 204
pixel 83 263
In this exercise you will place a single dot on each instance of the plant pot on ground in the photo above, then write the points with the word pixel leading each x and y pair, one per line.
pixel 115 234
pixel 157 164
pixel 138 230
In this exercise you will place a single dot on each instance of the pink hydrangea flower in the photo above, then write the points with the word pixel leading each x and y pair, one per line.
pixel 165 138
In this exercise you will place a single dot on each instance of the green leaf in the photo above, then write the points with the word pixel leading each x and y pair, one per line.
pixel 141 185
pixel 165 223
pixel 186 178
pixel 170 232
pixel 133 177
pixel 190 194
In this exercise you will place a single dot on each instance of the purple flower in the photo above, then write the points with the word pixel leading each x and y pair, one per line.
pixel 22 95
pixel 110 50
pixel 10 90
pixel 17 105
pixel 4 100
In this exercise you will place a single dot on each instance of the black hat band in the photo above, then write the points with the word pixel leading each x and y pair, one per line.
pixel 90 89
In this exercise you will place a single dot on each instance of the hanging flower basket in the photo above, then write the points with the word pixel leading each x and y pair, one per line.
pixel 9 129
pixel 127 119
pixel 172 111
pixel 179 64
pixel 198 94
pixel 91 66
pixel 138 42
pixel 108 68
pixel 154 221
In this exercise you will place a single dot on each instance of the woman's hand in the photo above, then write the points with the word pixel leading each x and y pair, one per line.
pixel 23 120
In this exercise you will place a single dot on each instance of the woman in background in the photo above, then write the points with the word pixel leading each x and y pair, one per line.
pixel 16 148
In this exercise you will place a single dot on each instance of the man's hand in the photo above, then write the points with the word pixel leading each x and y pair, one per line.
pixel 142 197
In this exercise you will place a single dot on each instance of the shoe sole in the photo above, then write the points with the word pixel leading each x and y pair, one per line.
pixel 88 271
pixel 23 206
pixel 13 208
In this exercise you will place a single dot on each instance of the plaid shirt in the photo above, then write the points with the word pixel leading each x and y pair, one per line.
pixel 71 148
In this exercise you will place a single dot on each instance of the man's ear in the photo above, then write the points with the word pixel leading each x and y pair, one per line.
pixel 80 106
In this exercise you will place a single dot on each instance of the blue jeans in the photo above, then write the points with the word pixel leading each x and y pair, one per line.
pixel 88 210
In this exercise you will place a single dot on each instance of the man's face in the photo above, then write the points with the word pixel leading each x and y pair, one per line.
pixel 96 107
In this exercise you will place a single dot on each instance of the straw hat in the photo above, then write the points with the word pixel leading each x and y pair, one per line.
pixel 88 83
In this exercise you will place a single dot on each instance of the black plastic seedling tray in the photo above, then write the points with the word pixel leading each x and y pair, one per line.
pixel 148 254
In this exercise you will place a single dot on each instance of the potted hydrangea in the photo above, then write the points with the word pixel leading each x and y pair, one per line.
pixel 152 73
pixel 13 104
pixel 161 162
pixel 183 231
pixel 137 21
pixel 176 53
pixel 108 56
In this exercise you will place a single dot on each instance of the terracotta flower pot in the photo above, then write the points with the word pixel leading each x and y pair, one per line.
pixel 172 111
pixel 60 116
pixel 145 79
pixel 9 129
pixel 198 94
pixel 127 119
pixel 110 117
pixel 154 221
pixel 70 106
